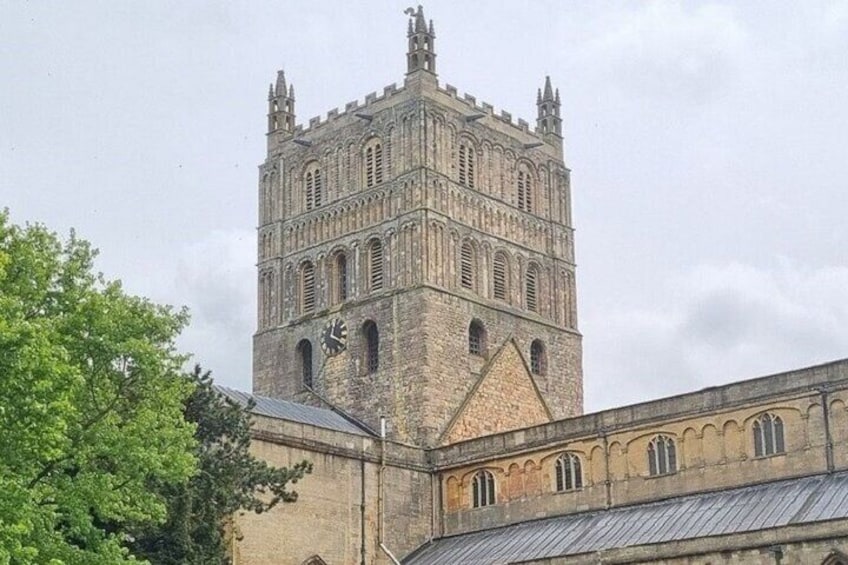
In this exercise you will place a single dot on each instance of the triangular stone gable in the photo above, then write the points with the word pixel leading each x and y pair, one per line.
pixel 504 398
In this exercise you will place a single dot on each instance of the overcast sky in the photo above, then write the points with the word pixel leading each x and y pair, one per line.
pixel 708 143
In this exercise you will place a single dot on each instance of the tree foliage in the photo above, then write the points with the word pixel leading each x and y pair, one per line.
pixel 230 479
pixel 109 453
pixel 91 405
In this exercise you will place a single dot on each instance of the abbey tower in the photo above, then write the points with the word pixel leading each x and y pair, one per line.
pixel 408 246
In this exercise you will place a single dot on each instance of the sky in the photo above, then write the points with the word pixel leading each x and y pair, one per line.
pixel 708 143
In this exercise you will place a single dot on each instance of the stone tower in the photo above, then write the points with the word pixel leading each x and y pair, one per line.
pixel 437 231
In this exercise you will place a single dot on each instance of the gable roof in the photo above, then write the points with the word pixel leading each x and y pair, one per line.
pixel 294 412
pixel 493 369
pixel 747 509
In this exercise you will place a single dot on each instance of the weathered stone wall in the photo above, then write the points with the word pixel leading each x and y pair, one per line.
pixel 505 398
pixel 424 360
pixel 337 514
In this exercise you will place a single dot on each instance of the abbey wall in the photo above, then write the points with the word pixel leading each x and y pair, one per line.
pixel 361 492
pixel 712 431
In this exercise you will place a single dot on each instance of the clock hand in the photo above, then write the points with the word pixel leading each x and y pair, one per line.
pixel 334 338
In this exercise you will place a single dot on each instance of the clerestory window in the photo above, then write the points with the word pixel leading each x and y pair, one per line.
pixel 569 472
pixel 482 489
pixel 662 456
pixel 768 435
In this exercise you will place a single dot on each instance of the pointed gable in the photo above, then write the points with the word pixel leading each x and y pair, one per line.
pixel 504 398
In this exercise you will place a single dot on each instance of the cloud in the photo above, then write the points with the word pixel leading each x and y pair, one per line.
pixel 669 50
pixel 723 323
pixel 214 277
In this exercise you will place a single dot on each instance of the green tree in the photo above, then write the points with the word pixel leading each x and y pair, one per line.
pixel 230 479
pixel 91 405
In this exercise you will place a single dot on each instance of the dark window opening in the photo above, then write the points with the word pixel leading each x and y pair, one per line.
pixel 372 346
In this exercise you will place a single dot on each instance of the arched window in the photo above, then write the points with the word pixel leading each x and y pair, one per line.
pixel 307 288
pixel 476 338
pixel 531 288
pixel 768 435
pixel 314 187
pixel 569 472
pixel 482 489
pixel 500 276
pixel 375 265
pixel 466 164
pixel 466 267
pixel 373 163
pixel 662 456
pixel 372 346
pixel 524 188
pixel 304 355
pixel 340 277
pixel 538 359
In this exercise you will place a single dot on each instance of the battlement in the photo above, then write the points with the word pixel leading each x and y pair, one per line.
pixel 350 108
pixel 489 110
pixel 359 107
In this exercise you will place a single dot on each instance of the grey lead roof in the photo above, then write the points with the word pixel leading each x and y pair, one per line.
pixel 294 412
pixel 746 509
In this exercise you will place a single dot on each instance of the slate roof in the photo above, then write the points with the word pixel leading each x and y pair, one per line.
pixel 294 412
pixel 746 509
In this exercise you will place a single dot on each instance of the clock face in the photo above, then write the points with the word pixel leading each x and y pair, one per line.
pixel 334 337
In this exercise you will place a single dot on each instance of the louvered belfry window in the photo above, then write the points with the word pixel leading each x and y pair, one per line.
pixel 466 165
pixel 531 288
pixel 499 277
pixel 467 266
pixel 307 288
pixel 525 190
pixel 375 265
pixel 314 186
pixel 310 191
pixel 373 164
pixel 319 188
